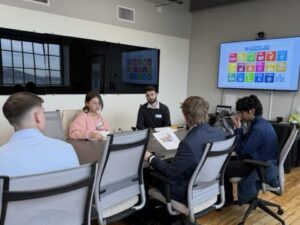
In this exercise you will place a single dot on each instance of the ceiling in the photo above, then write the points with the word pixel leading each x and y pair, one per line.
pixel 194 5
pixel 203 4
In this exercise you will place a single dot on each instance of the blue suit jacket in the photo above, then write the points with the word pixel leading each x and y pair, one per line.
pixel 187 157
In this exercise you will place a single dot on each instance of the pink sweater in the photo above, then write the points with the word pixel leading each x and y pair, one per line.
pixel 85 123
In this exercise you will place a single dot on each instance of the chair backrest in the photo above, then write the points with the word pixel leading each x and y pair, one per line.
pixel 120 171
pixel 209 174
pixel 54 127
pixel 60 197
pixel 67 116
pixel 283 154
pixel 282 131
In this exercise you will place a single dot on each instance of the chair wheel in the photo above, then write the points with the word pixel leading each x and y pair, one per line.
pixel 280 211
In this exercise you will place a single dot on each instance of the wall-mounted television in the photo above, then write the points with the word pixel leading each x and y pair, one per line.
pixel 140 67
pixel 271 64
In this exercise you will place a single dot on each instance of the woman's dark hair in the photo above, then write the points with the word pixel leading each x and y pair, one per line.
pixel 30 87
pixel 249 102
pixel 17 88
pixel 89 96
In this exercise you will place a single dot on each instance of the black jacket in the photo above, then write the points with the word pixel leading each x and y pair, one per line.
pixel 151 118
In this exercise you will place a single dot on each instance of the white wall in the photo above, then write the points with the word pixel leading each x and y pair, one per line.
pixel 173 20
pixel 119 110
pixel 277 18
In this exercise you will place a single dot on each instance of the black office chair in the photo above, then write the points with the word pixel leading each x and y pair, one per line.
pixel 265 186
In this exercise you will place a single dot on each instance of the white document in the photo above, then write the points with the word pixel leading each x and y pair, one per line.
pixel 167 138
pixel 158 129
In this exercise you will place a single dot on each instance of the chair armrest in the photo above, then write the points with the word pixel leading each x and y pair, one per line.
pixel 257 163
pixel 261 167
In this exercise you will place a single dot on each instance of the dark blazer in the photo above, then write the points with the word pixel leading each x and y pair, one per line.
pixel 259 143
pixel 188 155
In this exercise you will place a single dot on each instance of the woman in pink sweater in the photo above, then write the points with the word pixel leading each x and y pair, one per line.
pixel 89 123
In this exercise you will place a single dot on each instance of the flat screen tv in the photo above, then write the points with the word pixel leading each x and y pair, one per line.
pixel 271 64
pixel 140 67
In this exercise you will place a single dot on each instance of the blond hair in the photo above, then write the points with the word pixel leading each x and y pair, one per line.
pixel 195 110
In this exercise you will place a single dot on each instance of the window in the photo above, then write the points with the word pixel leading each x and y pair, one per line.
pixel 68 65
pixel 25 61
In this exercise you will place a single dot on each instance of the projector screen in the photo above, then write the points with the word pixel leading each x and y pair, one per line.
pixel 261 64
pixel 140 67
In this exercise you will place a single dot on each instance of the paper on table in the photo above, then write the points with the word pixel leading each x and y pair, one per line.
pixel 167 138
pixel 158 129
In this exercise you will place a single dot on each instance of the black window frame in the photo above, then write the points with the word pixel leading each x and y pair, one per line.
pixel 47 67
pixel 75 56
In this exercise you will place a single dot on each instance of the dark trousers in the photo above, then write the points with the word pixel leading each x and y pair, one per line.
pixel 235 168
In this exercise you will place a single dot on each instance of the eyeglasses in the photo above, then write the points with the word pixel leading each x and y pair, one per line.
pixel 95 103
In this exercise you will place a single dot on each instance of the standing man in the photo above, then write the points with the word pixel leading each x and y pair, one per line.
pixel 153 113
pixel 190 149
pixel 29 151
pixel 259 143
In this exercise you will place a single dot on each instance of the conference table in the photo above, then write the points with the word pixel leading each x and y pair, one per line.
pixel 92 150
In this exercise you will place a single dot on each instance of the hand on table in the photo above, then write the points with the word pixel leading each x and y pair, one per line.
pixel 96 135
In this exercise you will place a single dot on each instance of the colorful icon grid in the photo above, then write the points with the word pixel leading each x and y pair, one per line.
pixel 139 69
pixel 257 67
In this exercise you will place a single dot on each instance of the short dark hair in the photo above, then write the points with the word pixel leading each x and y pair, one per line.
pixel 195 109
pixel 30 87
pixel 89 96
pixel 18 105
pixel 250 102
pixel 17 88
pixel 150 88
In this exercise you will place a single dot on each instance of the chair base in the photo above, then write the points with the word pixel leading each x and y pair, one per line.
pixel 264 205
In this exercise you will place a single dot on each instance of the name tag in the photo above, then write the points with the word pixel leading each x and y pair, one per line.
pixel 158 116
pixel 99 125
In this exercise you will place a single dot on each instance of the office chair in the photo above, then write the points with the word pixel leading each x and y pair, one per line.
pixel 206 186
pixel 67 117
pixel 265 186
pixel 54 127
pixel 56 198
pixel 119 187
pixel 283 131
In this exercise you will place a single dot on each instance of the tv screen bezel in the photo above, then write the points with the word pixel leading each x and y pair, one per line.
pixel 261 89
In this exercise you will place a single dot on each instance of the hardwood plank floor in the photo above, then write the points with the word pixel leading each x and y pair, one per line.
pixel 232 215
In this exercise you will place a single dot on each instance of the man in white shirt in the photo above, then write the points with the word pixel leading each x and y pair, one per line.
pixel 29 151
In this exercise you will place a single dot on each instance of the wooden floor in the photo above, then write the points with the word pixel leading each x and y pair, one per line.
pixel 232 215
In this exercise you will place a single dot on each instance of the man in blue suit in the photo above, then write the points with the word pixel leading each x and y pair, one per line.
pixel 258 143
pixel 190 150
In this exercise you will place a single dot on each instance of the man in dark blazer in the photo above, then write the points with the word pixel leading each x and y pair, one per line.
pixel 190 149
